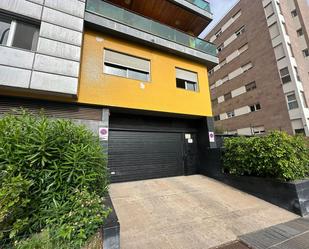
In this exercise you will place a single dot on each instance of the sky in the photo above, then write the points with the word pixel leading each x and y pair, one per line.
pixel 219 9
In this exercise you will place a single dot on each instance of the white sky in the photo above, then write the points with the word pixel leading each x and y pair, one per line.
pixel 219 8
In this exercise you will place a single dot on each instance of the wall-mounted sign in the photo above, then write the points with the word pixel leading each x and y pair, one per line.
pixel 103 133
pixel 211 137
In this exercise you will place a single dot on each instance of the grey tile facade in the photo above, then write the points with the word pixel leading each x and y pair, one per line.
pixel 54 65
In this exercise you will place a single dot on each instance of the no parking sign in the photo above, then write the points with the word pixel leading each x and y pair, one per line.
pixel 211 137
pixel 103 133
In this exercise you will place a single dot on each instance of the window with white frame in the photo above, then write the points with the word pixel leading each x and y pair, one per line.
pixel 300 32
pixel 274 30
pixel 294 13
pixel 285 75
pixel 279 52
pixel 19 34
pixel 217 118
pixel 240 31
pixel 220 47
pixel 292 101
pixel 255 107
pixel 186 80
pixel 218 33
pixel 251 86
pixel 127 66
pixel 258 130
pixel 230 114
pixel 269 10
pixel 247 67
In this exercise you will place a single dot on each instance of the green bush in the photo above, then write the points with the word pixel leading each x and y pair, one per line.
pixel 52 175
pixel 277 155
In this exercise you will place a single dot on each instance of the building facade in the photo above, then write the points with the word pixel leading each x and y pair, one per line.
pixel 131 72
pixel 262 80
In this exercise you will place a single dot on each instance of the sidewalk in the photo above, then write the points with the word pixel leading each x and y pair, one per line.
pixel 290 235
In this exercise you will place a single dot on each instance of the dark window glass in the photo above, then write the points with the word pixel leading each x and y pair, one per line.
pixel 4 30
pixel 294 13
pixel 251 86
pixel 217 117
pixel 300 32
pixel 300 131
pixel 285 75
pixel 185 84
pixel 26 36
pixel 180 83
pixel 227 96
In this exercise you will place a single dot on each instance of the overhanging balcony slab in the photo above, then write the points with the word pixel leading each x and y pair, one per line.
pixel 118 29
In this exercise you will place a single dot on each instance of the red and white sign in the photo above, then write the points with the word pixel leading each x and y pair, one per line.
pixel 103 133
pixel 211 137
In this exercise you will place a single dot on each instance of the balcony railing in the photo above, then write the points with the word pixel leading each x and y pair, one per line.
pixel 128 18
pixel 204 5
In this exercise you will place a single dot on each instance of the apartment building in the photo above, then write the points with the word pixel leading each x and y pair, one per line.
pixel 128 69
pixel 262 80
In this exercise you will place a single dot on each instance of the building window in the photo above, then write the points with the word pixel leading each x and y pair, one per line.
pixel 269 11
pixel 218 33
pixel 300 131
pixel 294 13
pixel 211 71
pixel 300 32
pixel 220 47
pixel 292 102
pixel 302 94
pixel 274 31
pixel 297 74
pixel 279 52
pixel 227 96
pixel 306 52
pixel 217 118
pixel 19 34
pixel 127 66
pixel 285 75
pixel 230 114
pixel 214 102
pixel 251 86
pixel 247 67
pixel 240 31
pixel 222 63
pixel 258 130
pixel 256 107
pixel 186 80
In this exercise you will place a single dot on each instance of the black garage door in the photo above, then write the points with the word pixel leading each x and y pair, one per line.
pixel 136 155
pixel 144 147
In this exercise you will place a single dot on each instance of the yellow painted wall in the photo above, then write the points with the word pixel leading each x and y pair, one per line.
pixel 160 94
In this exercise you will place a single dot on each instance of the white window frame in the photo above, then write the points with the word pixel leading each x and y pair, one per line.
pixel 127 68
pixel 230 114
pixel 12 32
pixel 255 107
pixel 292 101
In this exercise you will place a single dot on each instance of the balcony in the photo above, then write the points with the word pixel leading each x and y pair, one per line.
pixel 204 5
pixel 143 24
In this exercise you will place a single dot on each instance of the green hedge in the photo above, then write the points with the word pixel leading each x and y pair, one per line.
pixel 277 155
pixel 52 176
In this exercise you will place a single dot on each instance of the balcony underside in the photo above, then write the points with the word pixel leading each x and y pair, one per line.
pixel 179 14
pixel 121 30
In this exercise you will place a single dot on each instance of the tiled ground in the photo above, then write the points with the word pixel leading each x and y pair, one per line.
pixel 188 212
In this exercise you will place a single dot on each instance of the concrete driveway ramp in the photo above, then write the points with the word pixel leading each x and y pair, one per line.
pixel 188 212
